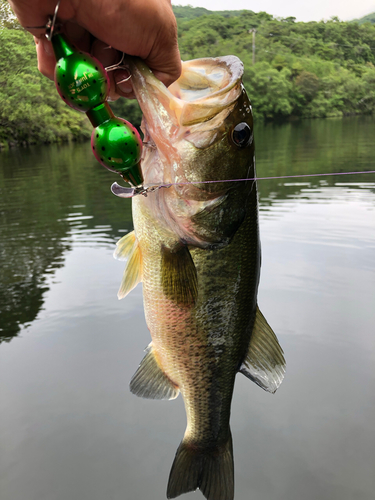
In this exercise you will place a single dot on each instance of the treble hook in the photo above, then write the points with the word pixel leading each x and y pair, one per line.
pixel 118 65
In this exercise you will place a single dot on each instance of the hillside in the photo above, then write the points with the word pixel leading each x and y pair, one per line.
pixel 308 70
pixel 304 70
pixel 370 18
pixel 187 13
pixel 315 69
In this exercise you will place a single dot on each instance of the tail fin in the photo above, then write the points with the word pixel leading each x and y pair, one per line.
pixel 210 470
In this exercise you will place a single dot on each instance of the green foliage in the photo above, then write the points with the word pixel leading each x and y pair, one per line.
pixel 7 18
pixel 262 82
pixel 315 69
pixel 31 111
pixel 187 12
pixel 307 84
pixel 370 18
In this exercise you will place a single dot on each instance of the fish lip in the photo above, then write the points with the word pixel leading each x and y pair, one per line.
pixel 158 123
pixel 145 84
pixel 148 141
pixel 174 104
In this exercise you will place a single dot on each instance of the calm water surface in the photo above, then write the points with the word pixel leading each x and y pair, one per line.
pixel 70 429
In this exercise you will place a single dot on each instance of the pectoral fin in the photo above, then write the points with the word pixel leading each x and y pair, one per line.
pixel 124 246
pixel 128 249
pixel 149 381
pixel 264 363
pixel 179 276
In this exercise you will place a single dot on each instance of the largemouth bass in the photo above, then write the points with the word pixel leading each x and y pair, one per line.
pixel 195 246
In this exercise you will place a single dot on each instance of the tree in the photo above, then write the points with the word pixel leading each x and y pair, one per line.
pixel 307 84
pixel 31 111
pixel 7 17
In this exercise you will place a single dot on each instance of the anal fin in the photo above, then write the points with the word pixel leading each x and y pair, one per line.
pixel 179 276
pixel 128 249
pixel 149 381
pixel 264 363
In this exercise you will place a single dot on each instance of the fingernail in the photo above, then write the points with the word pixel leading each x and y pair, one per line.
pixel 126 90
pixel 47 46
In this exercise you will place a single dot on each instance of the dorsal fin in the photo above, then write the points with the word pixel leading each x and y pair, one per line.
pixel 149 381
pixel 128 248
pixel 264 363
pixel 179 276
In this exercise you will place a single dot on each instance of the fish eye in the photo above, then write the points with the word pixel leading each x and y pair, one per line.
pixel 242 135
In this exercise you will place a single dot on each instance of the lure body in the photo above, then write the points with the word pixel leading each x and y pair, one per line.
pixel 83 84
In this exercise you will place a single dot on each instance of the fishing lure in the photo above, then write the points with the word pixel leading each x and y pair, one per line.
pixel 83 83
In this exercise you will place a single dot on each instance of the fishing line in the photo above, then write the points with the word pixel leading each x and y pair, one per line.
pixel 145 190
pixel 263 178
pixel 130 192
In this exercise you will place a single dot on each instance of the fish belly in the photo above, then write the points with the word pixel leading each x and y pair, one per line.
pixel 201 348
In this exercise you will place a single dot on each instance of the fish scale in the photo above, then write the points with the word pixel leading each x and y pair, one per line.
pixel 197 251
pixel 182 338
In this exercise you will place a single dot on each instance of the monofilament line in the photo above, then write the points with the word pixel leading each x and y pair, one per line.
pixel 265 178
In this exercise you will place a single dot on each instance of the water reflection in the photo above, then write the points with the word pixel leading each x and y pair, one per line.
pixel 51 198
pixel 69 426
pixel 313 147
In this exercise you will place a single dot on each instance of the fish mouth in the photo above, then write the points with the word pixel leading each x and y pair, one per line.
pixel 206 88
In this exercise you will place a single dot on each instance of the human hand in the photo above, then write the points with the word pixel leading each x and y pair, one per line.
pixel 143 28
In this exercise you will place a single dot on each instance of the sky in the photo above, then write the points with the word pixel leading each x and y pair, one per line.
pixel 300 9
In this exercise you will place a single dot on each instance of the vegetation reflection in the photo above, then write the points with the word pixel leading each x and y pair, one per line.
pixel 41 190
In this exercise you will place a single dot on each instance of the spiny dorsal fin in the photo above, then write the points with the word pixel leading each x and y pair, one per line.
pixel 128 249
pixel 264 363
pixel 179 276
pixel 149 381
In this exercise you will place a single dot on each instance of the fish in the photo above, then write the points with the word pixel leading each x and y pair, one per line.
pixel 196 249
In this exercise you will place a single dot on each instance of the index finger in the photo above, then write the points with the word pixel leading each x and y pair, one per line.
pixel 34 16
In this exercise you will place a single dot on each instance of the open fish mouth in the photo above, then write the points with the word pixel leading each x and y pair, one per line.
pixel 206 88
pixel 189 115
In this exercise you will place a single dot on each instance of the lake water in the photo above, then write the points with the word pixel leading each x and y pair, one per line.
pixel 69 427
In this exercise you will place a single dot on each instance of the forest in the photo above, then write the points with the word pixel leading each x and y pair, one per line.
pixel 294 70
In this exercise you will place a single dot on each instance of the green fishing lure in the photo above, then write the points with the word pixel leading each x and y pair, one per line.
pixel 83 83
